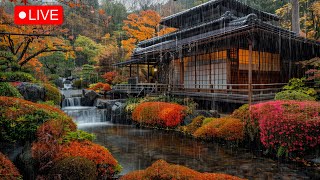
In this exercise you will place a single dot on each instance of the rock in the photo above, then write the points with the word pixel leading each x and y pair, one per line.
pixel 115 110
pixel 118 113
pixel 212 113
pixel 316 160
pixel 26 163
pixel 89 96
pixel 32 92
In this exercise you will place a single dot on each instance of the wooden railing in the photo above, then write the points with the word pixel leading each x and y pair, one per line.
pixel 145 88
pixel 223 92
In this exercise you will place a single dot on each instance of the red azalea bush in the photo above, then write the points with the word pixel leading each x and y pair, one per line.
pixel 288 126
pixel 160 114
pixel 222 128
pixel 7 169
pixel 165 171
pixel 107 166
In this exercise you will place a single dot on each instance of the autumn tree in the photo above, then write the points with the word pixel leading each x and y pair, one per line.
pixel 142 26
pixel 308 18
pixel 22 45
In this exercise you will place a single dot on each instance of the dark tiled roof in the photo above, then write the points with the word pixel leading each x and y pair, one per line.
pixel 160 43
pixel 228 16
pixel 166 20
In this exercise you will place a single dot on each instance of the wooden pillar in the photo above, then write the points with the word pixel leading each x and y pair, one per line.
pixel 181 72
pixel 130 69
pixel 195 71
pixel 138 72
pixel 148 76
pixel 250 74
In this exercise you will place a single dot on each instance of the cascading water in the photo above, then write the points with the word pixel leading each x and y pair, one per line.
pixel 74 101
pixel 86 114
pixel 82 114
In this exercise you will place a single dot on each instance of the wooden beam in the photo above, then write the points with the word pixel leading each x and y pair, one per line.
pixel 250 74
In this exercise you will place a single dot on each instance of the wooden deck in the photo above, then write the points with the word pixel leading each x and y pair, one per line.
pixel 231 93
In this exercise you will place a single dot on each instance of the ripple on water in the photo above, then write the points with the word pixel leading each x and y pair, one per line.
pixel 138 148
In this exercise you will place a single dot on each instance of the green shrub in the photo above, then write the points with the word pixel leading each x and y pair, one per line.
pixel 20 119
pixel 74 168
pixel 78 136
pixel 6 89
pixel 16 76
pixel 194 125
pixel 80 84
pixel 294 95
pixel 296 84
pixel 207 120
pixel 52 93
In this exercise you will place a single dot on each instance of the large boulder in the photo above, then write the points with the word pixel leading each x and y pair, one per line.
pixel 116 112
pixel 88 97
pixel 32 92
pixel 26 163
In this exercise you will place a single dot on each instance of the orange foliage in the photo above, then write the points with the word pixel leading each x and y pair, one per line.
pixel 159 114
pixel 165 171
pixel 142 26
pixel 12 108
pixel 101 87
pixel 7 170
pixel 27 48
pixel 106 164
pixel 109 76
pixel 222 128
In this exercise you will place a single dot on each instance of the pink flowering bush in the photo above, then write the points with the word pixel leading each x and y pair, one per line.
pixel 287 126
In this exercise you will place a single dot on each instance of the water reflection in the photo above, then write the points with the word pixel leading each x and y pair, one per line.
pixel 138 148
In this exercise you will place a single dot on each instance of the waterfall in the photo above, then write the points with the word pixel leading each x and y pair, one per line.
pixel 86 114
pixel 73 101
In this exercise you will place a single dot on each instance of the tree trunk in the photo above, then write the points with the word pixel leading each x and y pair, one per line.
pixel 295 17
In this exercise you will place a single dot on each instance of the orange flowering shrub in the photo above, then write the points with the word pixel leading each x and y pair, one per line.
pixel 100 87
pixel 109 76
pixel 218 176
pixel 288 126
pixel 49 137
pixel 160 114
pixel 107 166
pixel 7 169
pixel 165 171
pixel 20 119
pixel 222 128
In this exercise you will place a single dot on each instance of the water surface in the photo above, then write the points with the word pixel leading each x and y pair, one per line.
pixel 137 149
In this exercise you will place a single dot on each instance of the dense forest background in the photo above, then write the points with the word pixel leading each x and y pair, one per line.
pixel 99 33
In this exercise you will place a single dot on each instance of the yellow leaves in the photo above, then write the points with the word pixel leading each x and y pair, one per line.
pixel 166 31
pixel 142 26
pixel 129 45
pixel 316 8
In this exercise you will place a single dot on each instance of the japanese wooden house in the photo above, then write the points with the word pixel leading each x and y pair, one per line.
pixel 223 51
